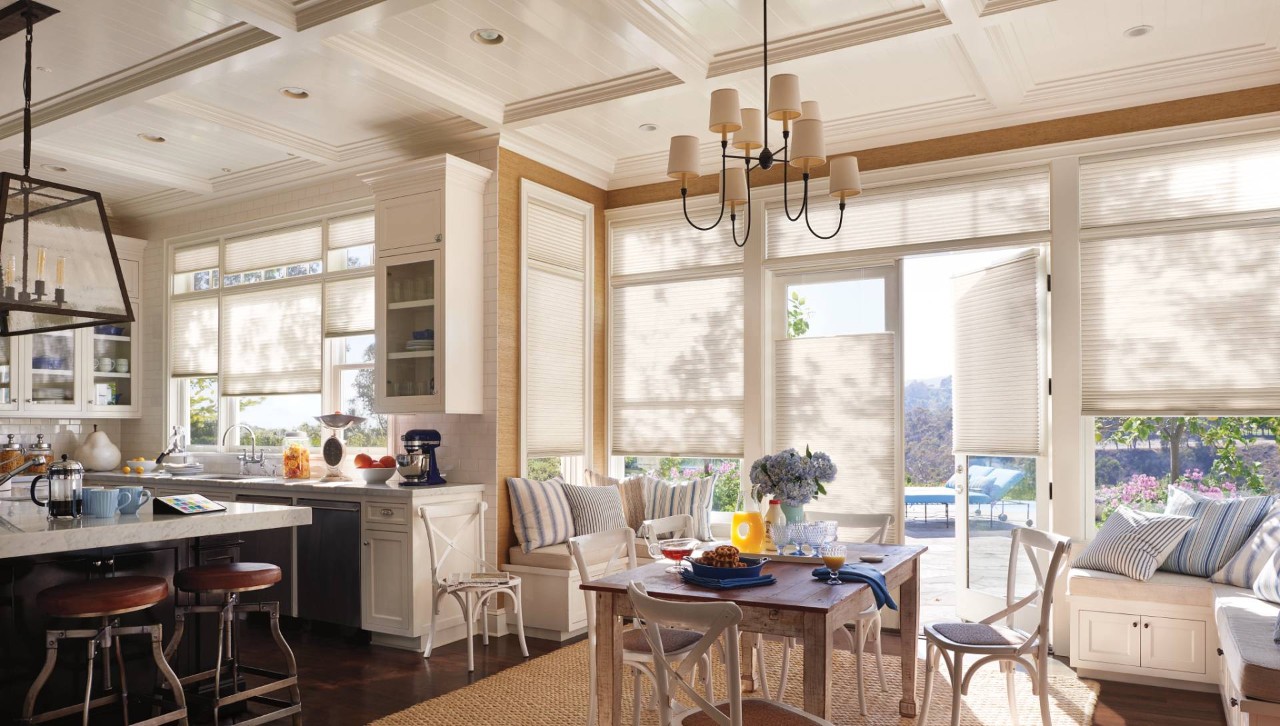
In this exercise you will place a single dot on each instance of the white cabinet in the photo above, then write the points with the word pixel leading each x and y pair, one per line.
pixel 430 286
pixel 386 591
pixel 1142 641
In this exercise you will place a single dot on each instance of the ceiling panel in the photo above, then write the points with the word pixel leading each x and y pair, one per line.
pixel 113 187
pixel 548 48
pixel 192 147
pixel 90 39
pixel 349 102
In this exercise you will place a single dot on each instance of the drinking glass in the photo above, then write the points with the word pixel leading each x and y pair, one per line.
pixel 674 550
pixel 833 558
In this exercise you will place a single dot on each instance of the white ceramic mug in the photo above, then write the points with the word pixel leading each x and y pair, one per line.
pixel 122 365
pixel 106 365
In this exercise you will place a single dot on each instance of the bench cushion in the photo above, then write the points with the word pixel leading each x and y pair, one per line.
pixel 1163 587
pixel 557 557
pixel 1245 626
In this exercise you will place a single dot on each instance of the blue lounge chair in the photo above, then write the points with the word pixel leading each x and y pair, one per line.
pixel 987 485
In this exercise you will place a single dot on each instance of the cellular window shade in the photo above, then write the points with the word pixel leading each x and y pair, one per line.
pixel 348 307
pixel 555 236
pixel 1200 180
pixel 667 243
pixel 555 363
pixel 273 249
pixel 1181 324
pixel 195 259
pixel 351 231
pixel 193 338
pixel 999 381
pixel 837 394
pixel 889 217
pixel 677 368
pixel 271 341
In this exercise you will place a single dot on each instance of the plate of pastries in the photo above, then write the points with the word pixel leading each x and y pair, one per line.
pixel 725 562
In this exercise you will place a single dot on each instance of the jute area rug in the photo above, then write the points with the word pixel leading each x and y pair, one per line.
pixel 552 691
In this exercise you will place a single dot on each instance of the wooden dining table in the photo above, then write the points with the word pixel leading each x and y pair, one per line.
pixel 798 606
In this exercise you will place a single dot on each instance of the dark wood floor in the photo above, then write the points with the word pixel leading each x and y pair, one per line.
pixel 346 681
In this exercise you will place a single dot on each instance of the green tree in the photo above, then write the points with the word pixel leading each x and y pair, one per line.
pixel 1226 436
pixel 798 315
pixel 544 469
pixel 202 397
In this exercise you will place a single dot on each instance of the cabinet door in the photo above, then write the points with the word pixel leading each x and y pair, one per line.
pixel 411 339
pixel 50 372
pixel 409 222
pixel 9 355
pixel 386 591
pixel 1110 637
pixel 1173 644
pixel 113 357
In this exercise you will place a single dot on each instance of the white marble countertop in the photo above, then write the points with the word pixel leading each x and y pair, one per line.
pixel 284 487
pixel 25 530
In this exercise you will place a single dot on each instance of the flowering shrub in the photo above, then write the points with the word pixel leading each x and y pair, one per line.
pixel 726 471
pixel 792 477
pixel 1147 493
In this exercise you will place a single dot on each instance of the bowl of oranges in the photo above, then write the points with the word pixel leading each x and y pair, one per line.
pixel 375 471
pixel 138 465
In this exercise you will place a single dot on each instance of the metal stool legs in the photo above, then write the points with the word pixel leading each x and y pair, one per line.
pixel 103 638
pixel 228 660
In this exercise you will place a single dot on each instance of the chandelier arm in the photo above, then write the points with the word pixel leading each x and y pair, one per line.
pixel 839 223
pixel 684 202
pixel 746 233
pixel 786 201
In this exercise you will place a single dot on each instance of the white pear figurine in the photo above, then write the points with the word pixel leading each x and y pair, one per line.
pixel 97 453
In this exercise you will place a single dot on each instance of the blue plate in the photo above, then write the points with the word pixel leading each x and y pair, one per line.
pixel 754 564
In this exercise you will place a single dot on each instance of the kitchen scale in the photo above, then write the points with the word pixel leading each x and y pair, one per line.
pixel 334 450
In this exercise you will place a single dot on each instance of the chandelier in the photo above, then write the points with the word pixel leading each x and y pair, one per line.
pixel 803 146
pixel 45 220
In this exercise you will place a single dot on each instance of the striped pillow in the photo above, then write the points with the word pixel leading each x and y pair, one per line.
pixel 1221 527
pixel 1133 544
pixel 665 498
pixel 632 491
pixel 539 512
pixel 1267 586
pixel 595 509
pixel 1249 562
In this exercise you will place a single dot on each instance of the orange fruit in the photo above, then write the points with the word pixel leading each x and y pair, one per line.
pixel 388 462
pixel 363 461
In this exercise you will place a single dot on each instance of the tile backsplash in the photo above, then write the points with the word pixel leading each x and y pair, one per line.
pixel 65 434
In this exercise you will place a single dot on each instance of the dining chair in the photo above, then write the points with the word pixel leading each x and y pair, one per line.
pixel 672 527
pixel 1006 644
pixel 472 598
pixel 637 654
pixel 713 621
pixel 853 635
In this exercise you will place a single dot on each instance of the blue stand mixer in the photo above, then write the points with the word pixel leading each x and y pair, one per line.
pixel 420 452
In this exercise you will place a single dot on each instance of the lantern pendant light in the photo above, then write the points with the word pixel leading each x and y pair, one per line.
pixel 803 146
pixel 46 220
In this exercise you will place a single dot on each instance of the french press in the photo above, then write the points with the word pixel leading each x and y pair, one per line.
pixel 66 488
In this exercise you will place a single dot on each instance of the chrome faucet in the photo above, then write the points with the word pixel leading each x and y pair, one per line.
pixel 252 457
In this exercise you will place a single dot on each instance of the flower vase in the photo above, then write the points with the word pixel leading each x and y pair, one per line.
pixel 793 512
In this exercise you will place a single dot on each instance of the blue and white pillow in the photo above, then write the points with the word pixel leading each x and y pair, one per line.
pixel 665 498
pixel 1267 586
pixel 1221 527
pixel 539 512
pixel 1133 544
pixel 1247 564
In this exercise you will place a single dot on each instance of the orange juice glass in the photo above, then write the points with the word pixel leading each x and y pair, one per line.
pixel 748 532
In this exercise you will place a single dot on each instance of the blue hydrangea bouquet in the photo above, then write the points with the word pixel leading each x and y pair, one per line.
pixel 792 477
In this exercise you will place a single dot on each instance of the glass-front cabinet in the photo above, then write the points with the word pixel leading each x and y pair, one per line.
pixel 409 322
pixel 52 371
pixel 110 387
pixel 8 384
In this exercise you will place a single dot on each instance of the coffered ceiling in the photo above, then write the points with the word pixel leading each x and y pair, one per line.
pixel 573 81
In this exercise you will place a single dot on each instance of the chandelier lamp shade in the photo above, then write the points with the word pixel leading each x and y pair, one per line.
pixel 744 147
pixel 59 261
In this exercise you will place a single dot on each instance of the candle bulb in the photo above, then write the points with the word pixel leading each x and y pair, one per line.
pixel 60 269
pixel 9 271
pixel 40 264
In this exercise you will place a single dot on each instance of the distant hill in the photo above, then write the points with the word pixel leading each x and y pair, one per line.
pixel 933 394
pixel 927 408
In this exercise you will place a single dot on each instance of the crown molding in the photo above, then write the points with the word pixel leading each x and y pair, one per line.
pixel 576 164
pixel 628 85
pixel 274 136
pixel 685 57
pixel 859 32
pixel 278 17
pixel 994 7
pixel 425 175
pixel 130 168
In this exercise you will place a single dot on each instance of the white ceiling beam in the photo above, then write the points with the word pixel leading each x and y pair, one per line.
pixel 441 89
pixel 277 17
pixel 131 169
pixel 270 134
pixel 640 24
pixel 998 81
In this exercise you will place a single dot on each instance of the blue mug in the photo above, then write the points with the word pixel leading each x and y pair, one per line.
pixel 138 496
pixel 103 503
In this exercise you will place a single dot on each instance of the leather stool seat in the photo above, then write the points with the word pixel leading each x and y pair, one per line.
pixel 232 577
pixel 107 596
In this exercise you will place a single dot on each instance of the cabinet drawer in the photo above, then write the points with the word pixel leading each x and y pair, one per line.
pixel 408 222
pixel 386 513
pixel 1110 637
pixel 1173 644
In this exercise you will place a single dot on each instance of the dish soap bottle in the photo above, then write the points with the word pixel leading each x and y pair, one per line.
pixel 773 518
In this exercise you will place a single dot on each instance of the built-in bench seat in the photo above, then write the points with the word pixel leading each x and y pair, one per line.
pixel 1251 659
pixel 1166 587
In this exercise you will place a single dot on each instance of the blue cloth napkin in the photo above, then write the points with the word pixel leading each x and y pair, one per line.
pixel 714 584
pixel 859 573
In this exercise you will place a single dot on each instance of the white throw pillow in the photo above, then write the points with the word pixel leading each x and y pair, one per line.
pixel 664 498
pixel 540 512
pixel 1251 559
pixel 1134 544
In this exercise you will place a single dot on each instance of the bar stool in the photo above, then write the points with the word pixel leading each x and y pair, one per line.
pixel 104 599
pixel 229 580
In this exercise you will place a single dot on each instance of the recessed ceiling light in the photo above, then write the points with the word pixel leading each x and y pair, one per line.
pixel 294 92
pixel 1138 31
pixel 153 138
pixel 488 36
pixel 53 167
pixel 648 127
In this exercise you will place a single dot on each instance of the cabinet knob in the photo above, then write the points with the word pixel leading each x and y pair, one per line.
pixel 1219 651
pixel 1135 623
pixel 365 543
pixel 1146 625
pixel 439 237
pixel 387 512
pixel 1234 703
